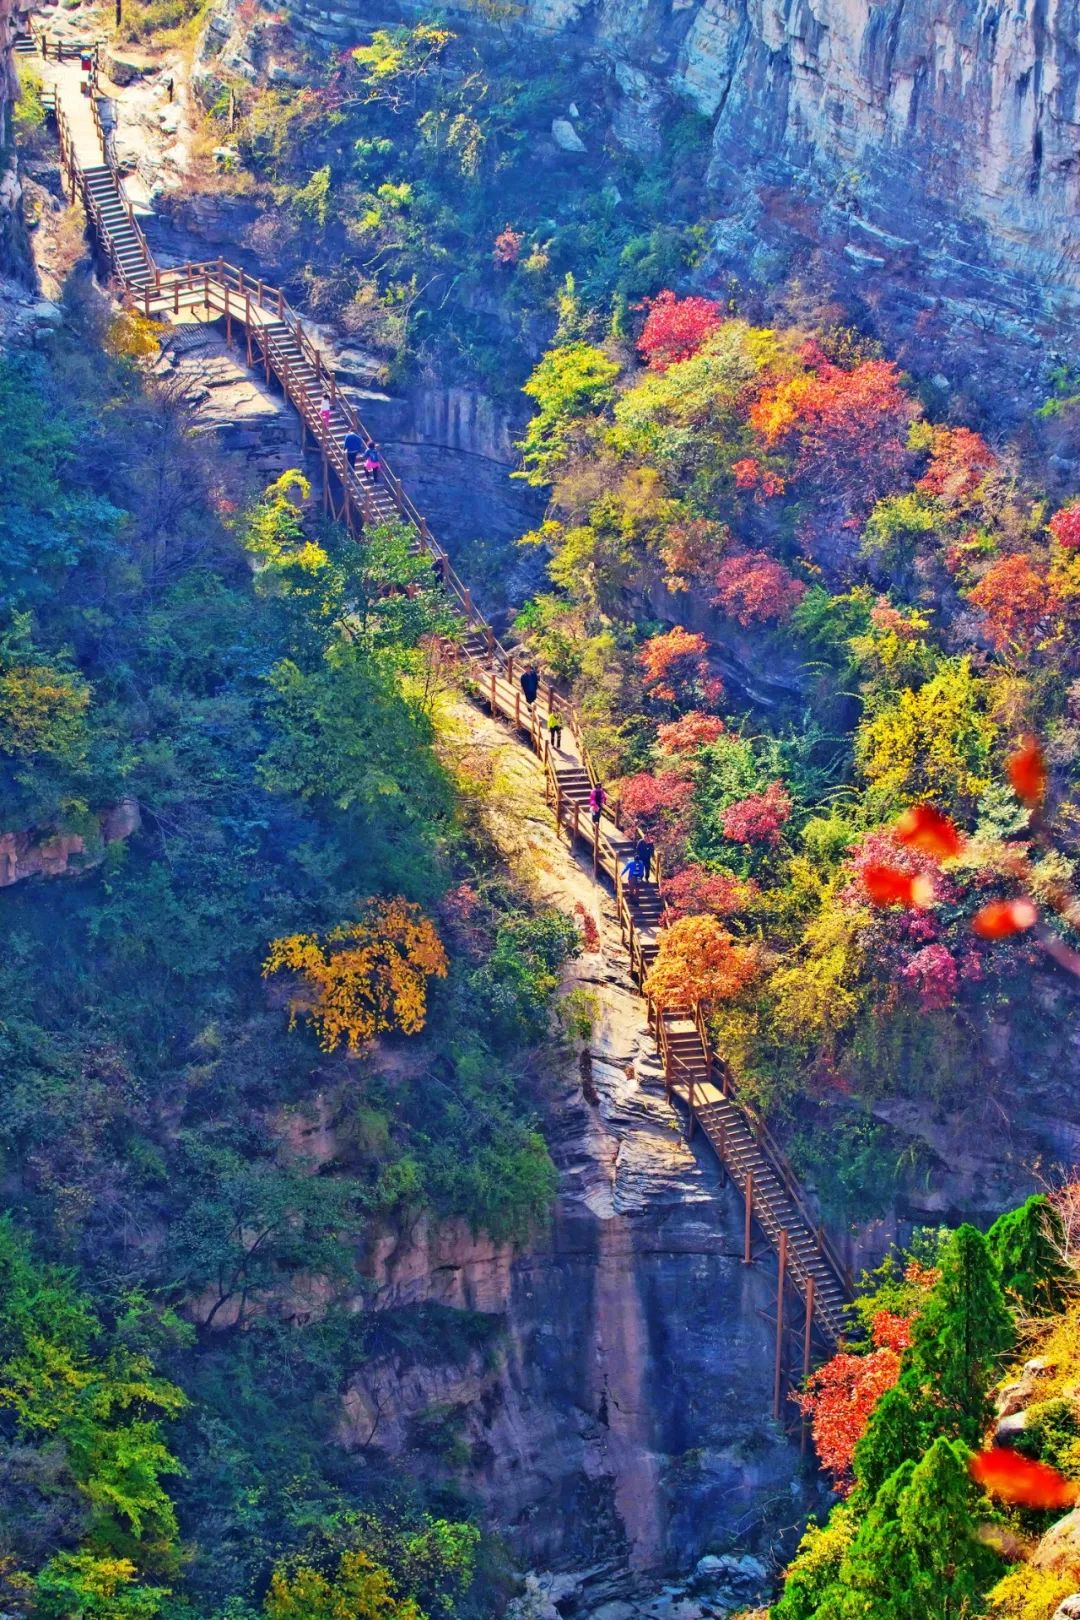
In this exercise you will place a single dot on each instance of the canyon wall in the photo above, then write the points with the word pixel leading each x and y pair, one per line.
pixel 916 165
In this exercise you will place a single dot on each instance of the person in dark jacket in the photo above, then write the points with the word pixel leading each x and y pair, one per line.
pixel 645 849
pixel 530 685
pixel 353 446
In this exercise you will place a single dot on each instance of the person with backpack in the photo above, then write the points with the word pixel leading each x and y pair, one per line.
pixel 530 684
pixel 645 850
pixel 353 446
pixel 554 724
pixel 372 463
pixel 597 801
pixel 325 409
pixel 633 872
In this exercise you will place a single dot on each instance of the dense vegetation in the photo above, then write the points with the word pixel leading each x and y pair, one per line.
pixel 256 689
pixel 933 1520
pixel 886 616
pixel 421 201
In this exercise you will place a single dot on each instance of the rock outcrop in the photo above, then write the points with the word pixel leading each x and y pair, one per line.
pixel 59 854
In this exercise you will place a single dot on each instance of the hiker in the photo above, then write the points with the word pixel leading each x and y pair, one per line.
pixel 555 728
pixel 169 88
pixel 597 801
pixel 530 684
pixel 645 850
pixel 324 410
pixel 353 446
pixel 372 463
pixel 633 872
pixel 438 569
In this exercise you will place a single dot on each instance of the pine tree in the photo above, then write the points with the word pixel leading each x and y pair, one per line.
pixel 947 1567
pixel 1027 1244
pixel 915 1552
pixel 961 1332
pixel 901 1427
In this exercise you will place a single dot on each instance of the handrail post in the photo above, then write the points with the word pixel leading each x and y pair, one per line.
pixel 748 1193
pixel 781 1280
pixel 494 707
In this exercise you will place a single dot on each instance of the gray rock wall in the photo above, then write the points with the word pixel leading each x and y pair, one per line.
pixel 918 161
pixel 12 237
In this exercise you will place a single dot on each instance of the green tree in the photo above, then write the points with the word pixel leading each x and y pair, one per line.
pixel 569 386
pixel 900 1429
pixel 814 1570
pixel 915 1551
pixel 1028 1244
pixel 960 1335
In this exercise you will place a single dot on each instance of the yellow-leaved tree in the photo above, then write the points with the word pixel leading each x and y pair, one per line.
pixel 698 961
pixel 361 1590
pixel 363 978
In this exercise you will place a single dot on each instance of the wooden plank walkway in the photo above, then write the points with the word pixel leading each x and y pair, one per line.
pixel 278 343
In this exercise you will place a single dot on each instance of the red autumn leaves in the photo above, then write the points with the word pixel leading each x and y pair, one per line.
pixel 928 831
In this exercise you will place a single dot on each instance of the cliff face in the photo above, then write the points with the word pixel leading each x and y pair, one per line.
pixel 922 159
pixel 12 240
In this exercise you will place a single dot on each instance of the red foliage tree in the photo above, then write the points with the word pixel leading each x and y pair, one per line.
pixel 847 429
pixel 675 328
pixel 959 459
pixel 758 818
pixel 751 475
pixel 691 731
pixel 755 589
pixel 695 892
pixel 840 1396
pixel 933 973
pixel 675 664
pixel 658 806
pixel 1065 526
pixel 1018 599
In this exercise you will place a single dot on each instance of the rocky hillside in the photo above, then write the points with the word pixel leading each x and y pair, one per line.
pixel 918 162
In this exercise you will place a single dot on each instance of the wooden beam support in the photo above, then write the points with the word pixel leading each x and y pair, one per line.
pixel 748 1193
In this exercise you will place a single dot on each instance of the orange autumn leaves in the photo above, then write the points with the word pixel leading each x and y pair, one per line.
pixel 927 830
pixel 365 978
pixel 840 1395
pixel 698 961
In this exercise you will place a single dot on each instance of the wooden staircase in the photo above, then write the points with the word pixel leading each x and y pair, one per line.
pixel 277 341
pixel 121 237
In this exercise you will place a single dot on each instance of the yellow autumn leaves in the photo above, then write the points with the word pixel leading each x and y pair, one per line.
pixel 365 978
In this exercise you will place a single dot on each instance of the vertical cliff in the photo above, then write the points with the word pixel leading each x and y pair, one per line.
pixel 12 239
pixel 923 160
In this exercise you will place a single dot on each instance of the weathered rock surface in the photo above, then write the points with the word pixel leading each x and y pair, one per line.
pixel 14 259
pixel 57 854
pixel 1059 1549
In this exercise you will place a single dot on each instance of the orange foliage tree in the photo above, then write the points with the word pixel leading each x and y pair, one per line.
pixel 848 429
pixel 675 664
pixel 698 960
pixel 959 459
pixel 366 977
pixel 840 1395
pixel 1018 599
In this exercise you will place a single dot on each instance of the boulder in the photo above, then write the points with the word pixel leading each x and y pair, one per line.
pixel 1009 1427
pixel 124 68
pixel 1059 1549
pixel 1068 1609
pixel 565 136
